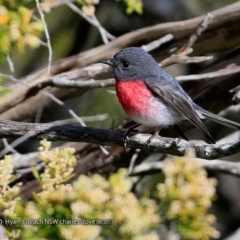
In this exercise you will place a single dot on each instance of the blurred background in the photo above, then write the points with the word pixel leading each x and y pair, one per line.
pixel 71 34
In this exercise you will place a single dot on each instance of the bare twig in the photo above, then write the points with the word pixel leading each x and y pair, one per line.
pixel 40 108
pixel 13 79
pixel 8 146
pixel 183 59
pixel 70 111
pixel 18 141
pixel 157 43
pixel 91 83
pixel 114 138
pixel 101 28
pixel 73 114
pixel 133 160
pixel 219 73
pixel 187 47
pixel 47 36
pixel 10 63
pixel 215 165
pixel 236 91
pixel 181 55
pixel 104 34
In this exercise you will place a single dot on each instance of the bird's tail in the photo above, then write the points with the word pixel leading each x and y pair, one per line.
pixel 217 119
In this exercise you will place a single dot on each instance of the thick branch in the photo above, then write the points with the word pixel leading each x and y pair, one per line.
pixel 72 133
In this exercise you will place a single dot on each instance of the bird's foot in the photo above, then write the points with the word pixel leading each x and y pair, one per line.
pixel 148 142
pixel 130 132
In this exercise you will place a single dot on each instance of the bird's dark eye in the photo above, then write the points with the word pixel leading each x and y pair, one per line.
pixel 125 64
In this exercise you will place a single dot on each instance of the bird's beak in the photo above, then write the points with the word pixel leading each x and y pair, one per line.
pixel 108 62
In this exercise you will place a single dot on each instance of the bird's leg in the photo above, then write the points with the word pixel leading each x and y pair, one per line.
pixel 132 130
pixel 153 136
pixel 179 131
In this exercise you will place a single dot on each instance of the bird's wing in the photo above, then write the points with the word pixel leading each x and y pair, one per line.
pixel 178 101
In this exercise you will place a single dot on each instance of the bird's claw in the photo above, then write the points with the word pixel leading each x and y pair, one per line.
pixel 148 142
pixel 130 132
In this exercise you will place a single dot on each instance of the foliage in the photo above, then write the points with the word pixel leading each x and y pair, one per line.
pixel 98 208
pixel 18 28
pixel 133 6
pixel 59 165
pixel 104 202
pixel 185 197
pixel 88 6
pixel 9 196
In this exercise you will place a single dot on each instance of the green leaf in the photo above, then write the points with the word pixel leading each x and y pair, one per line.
pixel 36 174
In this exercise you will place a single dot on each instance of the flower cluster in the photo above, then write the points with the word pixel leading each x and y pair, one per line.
pixel 109 202
pixel 59 165
pixel 9 196
pixel 88 6
pixel 107 207
pixel 133 6
pixel 17 28
pixel 186 196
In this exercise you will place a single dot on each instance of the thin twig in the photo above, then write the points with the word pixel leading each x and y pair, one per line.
pixel 70 111
pixel 47 36
pixel 40 108
pixel 65 82
pixel 219 73
pixel 10 63
pixel 183 59
pixel 108 35
pixel 133 160
pixel 42 43
pixel 215 165
pixel 157 43
pixel 73 114
pixel 181 56
pixel 13 79
pixel 104 34
pixel 18 141
pixel 8 146
pixel 187 47
pixel 236 91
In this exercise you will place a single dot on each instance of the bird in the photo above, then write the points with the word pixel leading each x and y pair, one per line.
pixel 153 98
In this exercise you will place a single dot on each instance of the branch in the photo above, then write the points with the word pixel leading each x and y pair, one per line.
pixel 236 92
pixel 157 43
pixel 11 129
pixel 215 165
pixel 182 54
pixel 47 36
pixel 92 20
pixel 227 71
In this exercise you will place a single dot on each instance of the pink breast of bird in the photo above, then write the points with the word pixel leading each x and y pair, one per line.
pixel 140 103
